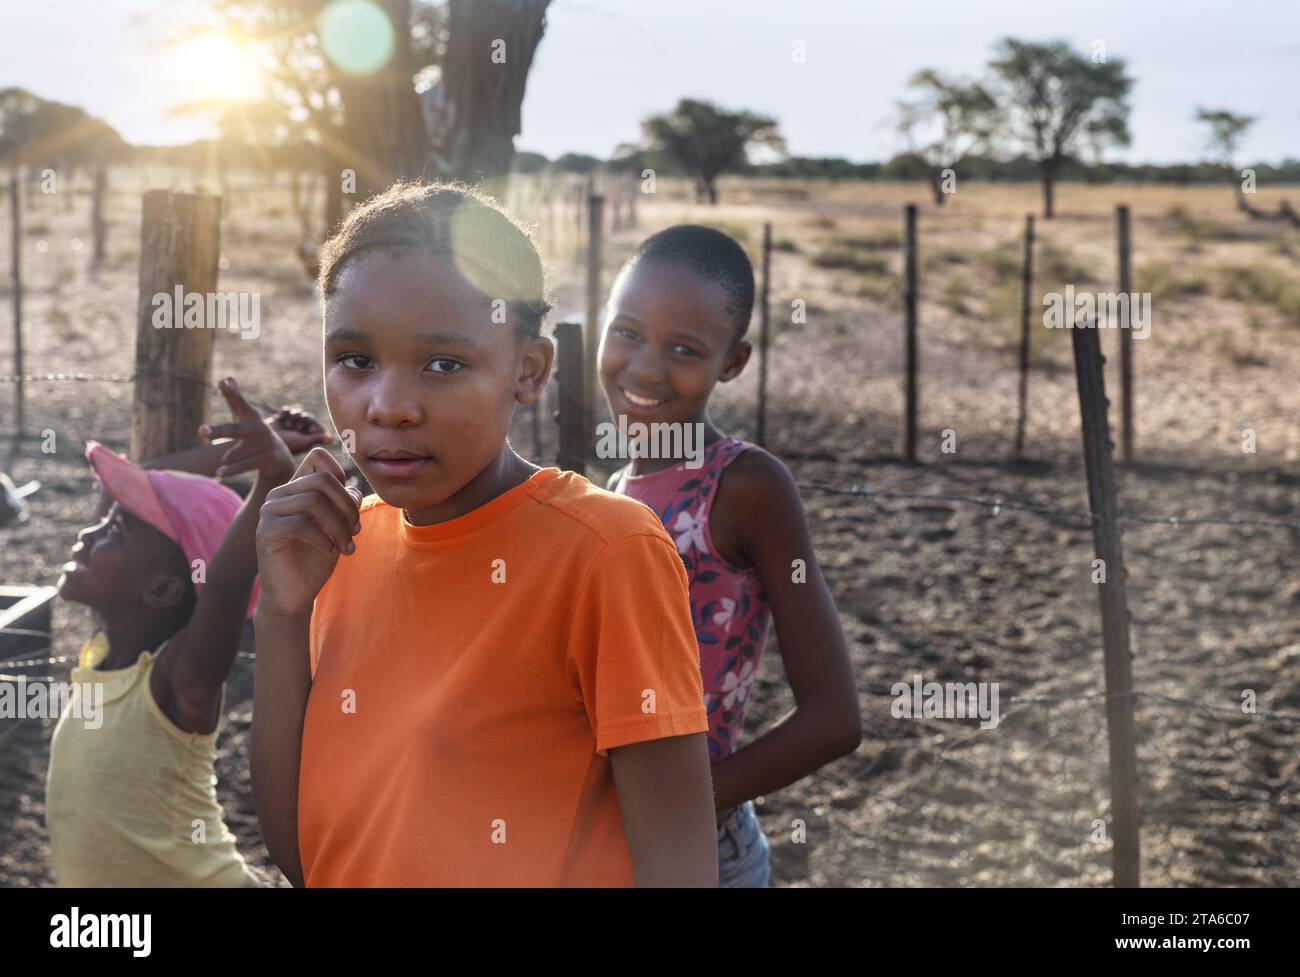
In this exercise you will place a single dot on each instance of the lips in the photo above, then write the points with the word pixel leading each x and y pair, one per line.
pixel 399 463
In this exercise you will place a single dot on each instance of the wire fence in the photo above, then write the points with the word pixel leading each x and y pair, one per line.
pixel 120 378
pixel 939 746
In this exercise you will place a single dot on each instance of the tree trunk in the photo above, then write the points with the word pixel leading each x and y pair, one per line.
pixel 936 186
pixel 332 172
pixel 490 48
pixel 383 138
pixel 1049 188
pixel 295 194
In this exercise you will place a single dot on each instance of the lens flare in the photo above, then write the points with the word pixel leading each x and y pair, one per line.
pixel 356 35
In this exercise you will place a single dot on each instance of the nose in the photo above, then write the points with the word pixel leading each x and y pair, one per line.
pixel 394 401
pixel 645 367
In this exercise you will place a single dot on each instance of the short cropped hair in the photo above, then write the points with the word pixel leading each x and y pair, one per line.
pixel 714 256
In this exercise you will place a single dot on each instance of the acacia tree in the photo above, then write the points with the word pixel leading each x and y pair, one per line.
pixel 707 141
pixel 41 132
pixel 374 124
pixel 960 115
pixel 1227 130
pixel 1055 100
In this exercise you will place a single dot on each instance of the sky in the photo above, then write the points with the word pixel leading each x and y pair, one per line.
pixel 603 65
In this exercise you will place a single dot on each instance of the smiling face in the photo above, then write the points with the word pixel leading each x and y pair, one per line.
pixel 119 565
pixel 427 382
pixel 667 341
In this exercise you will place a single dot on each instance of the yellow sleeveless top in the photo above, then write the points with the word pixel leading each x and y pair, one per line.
pixel 130 797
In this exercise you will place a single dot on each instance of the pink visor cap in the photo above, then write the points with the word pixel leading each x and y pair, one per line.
pixel 193 511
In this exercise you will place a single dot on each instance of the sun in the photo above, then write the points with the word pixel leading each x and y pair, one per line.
pixel 213 67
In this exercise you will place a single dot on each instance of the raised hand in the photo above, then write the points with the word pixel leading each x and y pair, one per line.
pixel 257 446
pixel 299 430
pixel 305 525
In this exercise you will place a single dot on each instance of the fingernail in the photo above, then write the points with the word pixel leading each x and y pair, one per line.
pixel 221 471
pixel 351 547
pixel 356 528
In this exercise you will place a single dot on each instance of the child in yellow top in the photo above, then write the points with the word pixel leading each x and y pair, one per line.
pixel 130 793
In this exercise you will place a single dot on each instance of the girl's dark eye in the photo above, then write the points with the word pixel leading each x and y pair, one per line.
pixel 449 366
pixel 685 350
pixel 343 361
pixel 626 334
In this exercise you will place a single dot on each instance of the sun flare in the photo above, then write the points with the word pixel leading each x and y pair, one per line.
pixel 214 67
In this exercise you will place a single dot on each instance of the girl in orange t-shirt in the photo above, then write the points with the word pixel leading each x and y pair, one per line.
pixel 498 684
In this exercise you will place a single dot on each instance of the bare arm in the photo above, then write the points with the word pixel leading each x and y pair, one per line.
pixel 281 682
pixel 193 667
pixel 305 525
pixel 666 802
pixel 826 722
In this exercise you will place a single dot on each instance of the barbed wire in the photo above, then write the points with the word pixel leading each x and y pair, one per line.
pixel 124 378
pixel 998 504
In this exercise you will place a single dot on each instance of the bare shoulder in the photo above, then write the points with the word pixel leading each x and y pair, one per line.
pixel 191 707
pixel 757 476
pixel 751 490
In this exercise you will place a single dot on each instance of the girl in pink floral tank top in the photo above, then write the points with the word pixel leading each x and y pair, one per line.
pixel 673 329
pixel 728 607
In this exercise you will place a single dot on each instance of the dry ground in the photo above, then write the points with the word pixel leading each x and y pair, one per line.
pixel 953 592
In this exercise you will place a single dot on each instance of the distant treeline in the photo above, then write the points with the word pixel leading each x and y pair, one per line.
pixel 908 167
pixel 305 156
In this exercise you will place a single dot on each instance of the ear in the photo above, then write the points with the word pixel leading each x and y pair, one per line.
pixel 163 590
pixel 735 364
pixel 536 358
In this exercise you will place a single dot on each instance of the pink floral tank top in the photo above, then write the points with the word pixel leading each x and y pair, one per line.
pixel 728 607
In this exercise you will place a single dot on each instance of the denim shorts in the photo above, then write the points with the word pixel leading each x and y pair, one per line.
pixel 743 851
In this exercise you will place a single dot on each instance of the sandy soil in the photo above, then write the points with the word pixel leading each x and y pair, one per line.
pixel 951 591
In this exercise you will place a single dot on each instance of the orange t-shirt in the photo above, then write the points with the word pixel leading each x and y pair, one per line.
pixel 469 678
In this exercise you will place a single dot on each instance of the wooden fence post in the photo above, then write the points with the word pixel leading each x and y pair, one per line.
pixel 1097 447
pixel 595 234
pixel 579 193
pixel 1125 333
pixel 909 325
pixel 98 226
pixel 16 219
pixel 180 245
pixel 763 318
pixel 572 414
pixel 1027 283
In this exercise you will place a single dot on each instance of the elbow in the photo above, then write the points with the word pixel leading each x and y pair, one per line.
pixel 844 733
pixel 846 740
